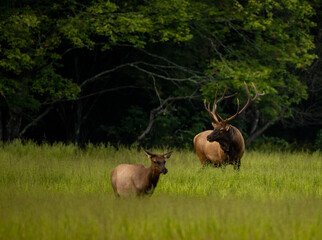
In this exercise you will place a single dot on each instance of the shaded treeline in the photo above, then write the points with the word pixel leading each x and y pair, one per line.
pixel 129 72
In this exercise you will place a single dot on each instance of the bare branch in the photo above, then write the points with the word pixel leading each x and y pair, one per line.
pixel 105 91
pixel 190 79
pixel 91 95
pixel 193 78
pixel 34 121
pixel 106 72
pixel 156 90
pixel 258 132
pixel 154 113
pixel 172 64
pixel 250 99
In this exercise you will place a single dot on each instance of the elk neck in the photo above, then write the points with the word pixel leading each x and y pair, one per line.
pixel 153 176
pixel 237 143
pixel 226 141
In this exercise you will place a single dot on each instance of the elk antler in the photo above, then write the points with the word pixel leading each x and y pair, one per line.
pixel 248 101
pixel 214 107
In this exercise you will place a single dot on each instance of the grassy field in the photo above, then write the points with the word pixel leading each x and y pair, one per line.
pixel 61 192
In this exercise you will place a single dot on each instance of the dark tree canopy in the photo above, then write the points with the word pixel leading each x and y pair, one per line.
pixel 138 71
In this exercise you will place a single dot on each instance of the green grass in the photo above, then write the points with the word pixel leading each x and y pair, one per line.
pixel 62 192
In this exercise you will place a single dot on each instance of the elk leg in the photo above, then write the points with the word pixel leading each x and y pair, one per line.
pixel 237 164
pixel 217 164
pixel 206 163
pixel 202 158
pixel 224 165
pixel 116 194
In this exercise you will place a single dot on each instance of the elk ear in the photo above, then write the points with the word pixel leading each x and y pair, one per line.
pixel 227 127
pixel 167 155
pixel 213 124
pixel 149 155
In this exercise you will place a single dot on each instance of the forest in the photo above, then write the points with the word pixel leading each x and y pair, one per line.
pixel 137 72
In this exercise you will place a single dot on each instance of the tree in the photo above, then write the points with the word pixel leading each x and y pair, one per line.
pixel 309 113
pixel 265 42
pixel 29 71
pixel 124 71
pixel 36 37
pixel 129 30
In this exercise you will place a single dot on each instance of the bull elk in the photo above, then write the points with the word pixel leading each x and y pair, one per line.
pixel 225 144
pixel 128 179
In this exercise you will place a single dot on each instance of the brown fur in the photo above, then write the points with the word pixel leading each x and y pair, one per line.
pixel 136 179
pixel 227 147
pixel 225 144
pixel 208 151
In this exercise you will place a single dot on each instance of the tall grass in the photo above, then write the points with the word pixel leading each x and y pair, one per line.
pixel 62 192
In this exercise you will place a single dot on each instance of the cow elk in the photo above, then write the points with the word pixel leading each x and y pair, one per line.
pixel 137 180
pixel 225 144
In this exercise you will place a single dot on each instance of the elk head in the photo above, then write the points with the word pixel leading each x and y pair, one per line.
pixel 158 161
pixel 223 132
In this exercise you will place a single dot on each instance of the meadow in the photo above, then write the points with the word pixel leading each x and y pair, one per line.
pixel 62 192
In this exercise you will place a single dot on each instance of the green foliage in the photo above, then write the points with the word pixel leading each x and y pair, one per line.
pixel 27 61
pixel 164 131
pixel 129 128
pixel 265 42
pixel 43 43
pixel 34 38
pixel 273 144
pixel 156 21
pixel 318 141
pixel 170 135
pixel 170 20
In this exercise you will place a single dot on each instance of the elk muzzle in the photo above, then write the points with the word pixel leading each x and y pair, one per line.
pixel 214 136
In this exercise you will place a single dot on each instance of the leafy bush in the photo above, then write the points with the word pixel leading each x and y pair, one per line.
pixel 318 141
pixel 273 144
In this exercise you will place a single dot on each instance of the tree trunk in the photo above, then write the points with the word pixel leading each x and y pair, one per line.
pixel 70 114
pixel 255 122
pixel 257 133
pixel 13 125
pixel 77 121
pixel 1 125
pixel 33 122
pixel 77 106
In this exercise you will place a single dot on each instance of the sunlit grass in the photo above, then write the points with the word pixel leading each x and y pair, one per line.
pixel 62 192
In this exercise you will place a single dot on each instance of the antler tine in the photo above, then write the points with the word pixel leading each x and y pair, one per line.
pixel 225 97
pixel 248 101
pixel 215 101
pixel 222 98
pixel 212 114
pixel 237 104
pixel 249 97
pixel 257 94
pixel 236 114
pixel 214 106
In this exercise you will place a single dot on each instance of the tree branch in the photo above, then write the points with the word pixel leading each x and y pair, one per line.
pixel 258 132
pixel 106 72
pixel 154 113
pixel 91 94
pixel 34 121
